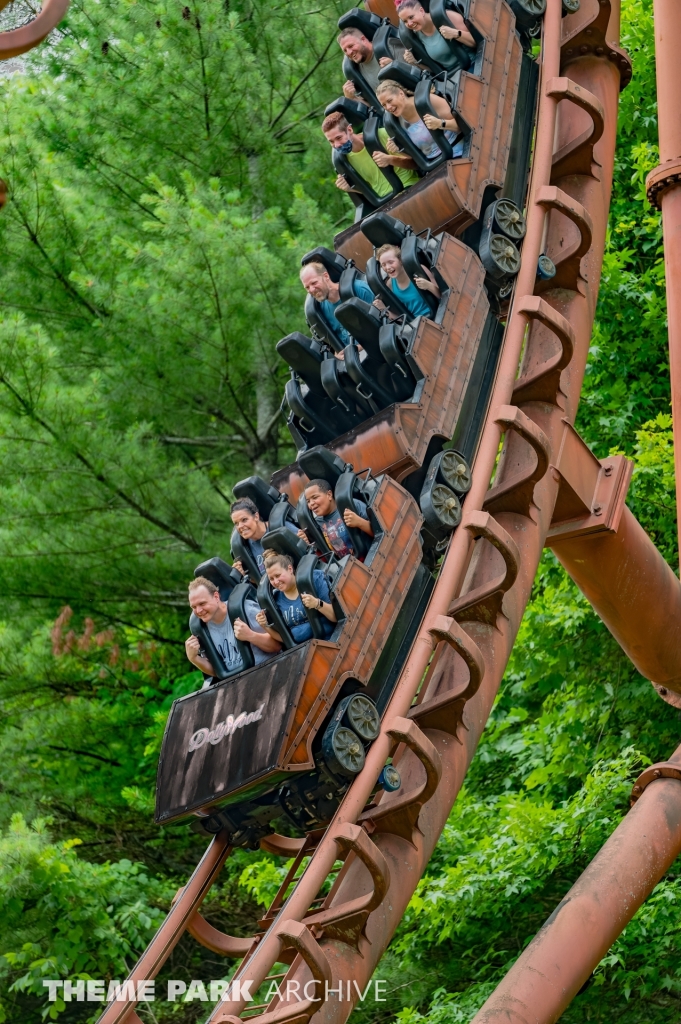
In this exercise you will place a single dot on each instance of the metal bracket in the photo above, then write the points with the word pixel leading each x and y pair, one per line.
pixel 591 492
pixel 542 382
pixel 444 711
pixel 516 491
pixel 663 770
pixel 585 31
pixel 568 259
pixel 399 813
pixel 577 157
pixel 346 921
pixel 483 603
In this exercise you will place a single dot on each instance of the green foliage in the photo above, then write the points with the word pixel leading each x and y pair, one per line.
pixel 166 171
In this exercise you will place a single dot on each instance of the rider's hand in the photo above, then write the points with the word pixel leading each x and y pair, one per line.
pixel 349 90
pixel 409 57
pixel 309 601
pixel 239 567
pixel 352 519
pixel 382 159
pixel 384 61
pixel 342 184
pixel 192 647
pixel 447 32
pixel 261 619
pixel 241 630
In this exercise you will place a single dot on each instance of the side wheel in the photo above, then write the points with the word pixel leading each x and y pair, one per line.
pixel 528 12
pixel 456 472
pixel 499 255
pixel 361 715
pixel 508 220
pixel 546 268
pixel 441 508
pixel 570 7
pixel 343 750
pixel 390 779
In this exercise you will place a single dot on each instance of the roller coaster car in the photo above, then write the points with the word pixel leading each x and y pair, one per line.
pixel 447 367
pixel 246 751
pixel 495 99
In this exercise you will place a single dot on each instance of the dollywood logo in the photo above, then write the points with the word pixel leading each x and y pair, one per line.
pixel 223 729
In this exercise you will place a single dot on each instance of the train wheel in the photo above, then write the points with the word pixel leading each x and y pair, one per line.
pixel 570 6
pixel 441 508
pixel 390 779
pixel 499 255
pixel 456 472
pixel 509 220
pixel 362 716
pixel 546 268
pixel 343 750
pixel 528 12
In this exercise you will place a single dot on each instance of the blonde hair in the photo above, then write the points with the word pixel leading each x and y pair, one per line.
pixel 389 247
pixel 389 85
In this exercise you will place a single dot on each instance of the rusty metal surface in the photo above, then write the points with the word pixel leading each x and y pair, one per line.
pixel 664 189
pixel 627 581
pixel 523 512
pixel 561 958
pixel 20 40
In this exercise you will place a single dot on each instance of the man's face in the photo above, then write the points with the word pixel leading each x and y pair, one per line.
pixel 414 18
pixel 320 503
pixel 247 525
pixel 357 48
pixel 203 603
pixel 390 263
pixel 315 284
pixel 339 136
pixel 281 577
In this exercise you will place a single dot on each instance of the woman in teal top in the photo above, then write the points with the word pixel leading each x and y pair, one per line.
pixel 451 47
pixel 407 291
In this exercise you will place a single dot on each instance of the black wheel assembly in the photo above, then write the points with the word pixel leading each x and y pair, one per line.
pixel 361 715
pixel 343 750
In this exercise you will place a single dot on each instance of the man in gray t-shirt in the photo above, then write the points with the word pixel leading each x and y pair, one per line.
pixel 360 51
pixel 205 602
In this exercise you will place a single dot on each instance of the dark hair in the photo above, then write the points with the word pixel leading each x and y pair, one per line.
pixel 244 505
pixel 323 485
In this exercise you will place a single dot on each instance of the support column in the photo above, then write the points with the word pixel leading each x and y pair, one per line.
pixel 664 191
pixel 561 958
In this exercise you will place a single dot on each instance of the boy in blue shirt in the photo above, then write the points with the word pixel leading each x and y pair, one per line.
pixel 390 260
pixel 292 604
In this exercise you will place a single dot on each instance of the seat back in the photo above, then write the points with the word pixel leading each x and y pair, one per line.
pixel 342 390
pixel 221 574
pixel 364 323
pixel 265 595
pixel 382 229
pixel 334 263
pixel 306 585
pixel 241 552
pixel 304 356
pixel 343 166
pixel 348 279
pixel 308 523
pixel 354 111
pixel 321 329
pixel 236 609
pixel 373 144
pixel 347 488
pixel 262 494
pixel 198 629
pixel 353 74
pixel 320 463
pixel 368 376
pixel 366 22
pixel 383 291
pixel 282 513
pixel 285 542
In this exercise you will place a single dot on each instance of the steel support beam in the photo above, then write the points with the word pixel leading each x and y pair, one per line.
pixel 664 191
pixel 561 958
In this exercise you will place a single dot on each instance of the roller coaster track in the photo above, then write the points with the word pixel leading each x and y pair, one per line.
pixel 448 684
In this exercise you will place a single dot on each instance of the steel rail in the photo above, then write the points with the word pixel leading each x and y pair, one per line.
pixel 600 76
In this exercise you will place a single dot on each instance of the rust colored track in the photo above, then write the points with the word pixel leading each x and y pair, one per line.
pixel 20 40
pixel 447 687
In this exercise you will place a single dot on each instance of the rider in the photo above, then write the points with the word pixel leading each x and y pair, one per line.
pixel 452 46
pixel 317 282
pixel 360 51
pixel 251 528
pixel 322 505
pixel 292 604
pixel 340 134
pixel 206 603
pixel 390 259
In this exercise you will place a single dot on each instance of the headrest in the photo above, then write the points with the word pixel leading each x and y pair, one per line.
pixel 361 319
pixel 366 22
pixel 333 261
pixel 403 73
pixel 221 574
pixel 320 463
pixel 285 542
pixel 260 492
pixel 352 110
pixel 382 229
